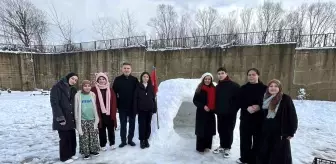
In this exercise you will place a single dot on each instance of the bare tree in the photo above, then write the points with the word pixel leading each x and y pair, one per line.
pixel 127 25
pixel 246 16
pixel 296 19
pixel 22 21
pixel 269 15
pixel 184 27
pixel 229 23
pixel 206 20
pixel 165 21
pixel 104 27
pixel 65 26
pixel 320 19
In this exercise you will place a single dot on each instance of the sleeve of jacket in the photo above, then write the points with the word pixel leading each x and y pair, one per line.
pixel 292 117
pixel 135 101
pixel 261 98
pixel 235 97
pixel 115 85
pixel 197 102
pixel 54 101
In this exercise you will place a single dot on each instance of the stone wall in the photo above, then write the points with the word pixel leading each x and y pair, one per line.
pixel 312 69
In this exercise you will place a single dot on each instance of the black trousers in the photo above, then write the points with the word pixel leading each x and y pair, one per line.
pixel 123 116
pixel 203 142
pixel 250 137
pixel 225 126
pixel 106 123
pixel 144 121
pixel 67 144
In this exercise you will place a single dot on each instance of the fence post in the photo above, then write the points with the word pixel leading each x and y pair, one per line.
pixel 95 45
pixel 325 40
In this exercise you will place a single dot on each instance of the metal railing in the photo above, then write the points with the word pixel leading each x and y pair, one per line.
pixel 250 38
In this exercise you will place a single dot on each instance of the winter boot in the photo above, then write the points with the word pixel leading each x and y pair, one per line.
pixel 131 143
pixel 146 143
pixel 142 144
pixel 122 145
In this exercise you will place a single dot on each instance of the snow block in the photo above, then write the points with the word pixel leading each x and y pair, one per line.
pixel 170 96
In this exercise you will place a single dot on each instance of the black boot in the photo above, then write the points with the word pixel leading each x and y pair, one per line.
pixel 142 144
pixel 122 144
pixel 146 143
pixel 131 143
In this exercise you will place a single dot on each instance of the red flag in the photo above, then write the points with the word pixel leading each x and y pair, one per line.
pixel 154 80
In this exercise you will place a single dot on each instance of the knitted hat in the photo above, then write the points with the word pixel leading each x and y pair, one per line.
pixel 206 74
pixel 101 74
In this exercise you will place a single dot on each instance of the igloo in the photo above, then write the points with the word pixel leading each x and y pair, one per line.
pixel 172 94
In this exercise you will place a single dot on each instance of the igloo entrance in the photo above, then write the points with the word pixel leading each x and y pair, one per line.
pixel 184 121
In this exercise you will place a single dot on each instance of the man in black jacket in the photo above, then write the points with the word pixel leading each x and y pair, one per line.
pixel 226 110
pixel 124 87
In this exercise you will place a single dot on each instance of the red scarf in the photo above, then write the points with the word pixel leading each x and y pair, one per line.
pixel 211 91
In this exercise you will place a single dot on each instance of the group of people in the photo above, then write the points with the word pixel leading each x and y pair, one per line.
pixel 92 111
pixel 268 118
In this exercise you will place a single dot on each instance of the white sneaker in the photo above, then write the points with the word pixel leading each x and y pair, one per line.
pixel 226 153
pixel 69 161
pixel 218 150
pixel 239 161
pixel 103 148
pixel 112 147
pixel 74 157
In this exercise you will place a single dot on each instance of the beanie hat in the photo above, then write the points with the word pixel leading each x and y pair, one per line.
pixel 206 74
pixel 101 74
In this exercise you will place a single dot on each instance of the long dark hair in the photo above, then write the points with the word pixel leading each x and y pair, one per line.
pixel 199 87
pixel 256 71
pixel 149 79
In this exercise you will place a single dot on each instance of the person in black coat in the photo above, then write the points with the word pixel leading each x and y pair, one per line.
pixel 227 92
pixel 204 100
pixel 279 126
pixel 62 103
pixel 251 117
pixel 124 87
pixel 145 105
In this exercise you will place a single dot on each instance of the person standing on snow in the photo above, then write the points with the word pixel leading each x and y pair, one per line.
pixel 226 109
pixel 204 100
pixel 107 110
pixel 279 126
pixel 145 106
pixel 87 120
pixel 124 86
pixel 251 116
pixel 62 103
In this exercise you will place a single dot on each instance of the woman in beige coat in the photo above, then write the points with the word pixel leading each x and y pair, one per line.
pixel 87 121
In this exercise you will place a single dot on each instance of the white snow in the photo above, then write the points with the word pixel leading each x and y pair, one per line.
pixel 26 135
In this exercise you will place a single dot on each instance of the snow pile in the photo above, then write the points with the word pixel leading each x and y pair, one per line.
pixel 170 97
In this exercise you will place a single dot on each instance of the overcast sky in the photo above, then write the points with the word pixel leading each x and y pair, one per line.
pixel 83 12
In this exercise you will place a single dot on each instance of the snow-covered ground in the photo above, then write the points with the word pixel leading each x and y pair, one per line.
pixel 26 135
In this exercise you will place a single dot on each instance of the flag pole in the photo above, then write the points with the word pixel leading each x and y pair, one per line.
pixel 157 110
